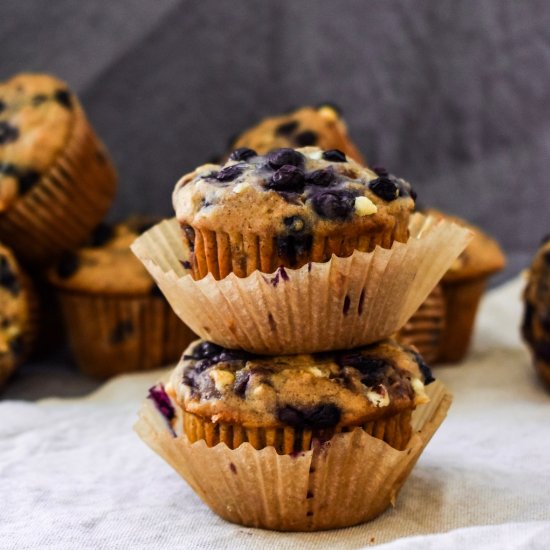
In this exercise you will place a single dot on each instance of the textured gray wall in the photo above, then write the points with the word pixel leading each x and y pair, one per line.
pixel 453 95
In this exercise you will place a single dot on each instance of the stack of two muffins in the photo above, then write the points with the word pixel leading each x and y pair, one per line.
pixel 295 410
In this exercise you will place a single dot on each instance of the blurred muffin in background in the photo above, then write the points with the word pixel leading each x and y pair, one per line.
pixel 535 327
pixel 425 329
pixel 116 318
pixel 56 180
pixel 463 285
pixel 18 314
pixel 321 126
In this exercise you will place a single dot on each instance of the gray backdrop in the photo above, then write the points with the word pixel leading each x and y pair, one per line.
pixel 453 95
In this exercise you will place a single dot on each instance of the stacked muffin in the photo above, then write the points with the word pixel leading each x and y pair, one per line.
pixel 281 255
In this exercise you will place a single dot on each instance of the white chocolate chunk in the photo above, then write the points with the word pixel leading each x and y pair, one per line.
pixel 420 395
pixel 364 206
pixel 222 378
pixel 380 397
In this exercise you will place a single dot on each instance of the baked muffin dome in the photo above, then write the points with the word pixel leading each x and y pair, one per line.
pixel 56 180
pixel 325 392
pixel 287 208
pixel 106 264
pixel 321 126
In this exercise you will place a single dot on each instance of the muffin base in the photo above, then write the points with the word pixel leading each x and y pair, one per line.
pixel 70 199
pixel 425 329
pixel 113 335
pixel 394 430
pixel 348 480
pixel 221 253
pixel 461 300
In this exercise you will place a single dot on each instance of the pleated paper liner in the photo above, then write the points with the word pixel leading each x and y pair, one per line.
pixel 110 335
pixel 462 300
pixel 70 199
pixel 350 479
pixel 220 253
pixel 395 430
pixel 339 304
pixel 425 328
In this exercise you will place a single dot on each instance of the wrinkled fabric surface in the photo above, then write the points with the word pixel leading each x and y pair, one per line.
pixel 74 475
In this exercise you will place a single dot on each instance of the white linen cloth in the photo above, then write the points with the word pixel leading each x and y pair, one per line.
pixel 74 475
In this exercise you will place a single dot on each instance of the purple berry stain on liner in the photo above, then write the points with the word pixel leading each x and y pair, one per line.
pixel 185 264
pixel 279 274
pixel 162 402
pixel 361 302
pixel 232 467
pixel 347 303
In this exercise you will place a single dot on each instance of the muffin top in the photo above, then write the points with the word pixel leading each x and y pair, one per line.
pixel 290 192
pixel 14 312
pixel 536 319
pixel 106 264
pixel 315 391
pixel 36 115
pixel 481 258
pixel 321 126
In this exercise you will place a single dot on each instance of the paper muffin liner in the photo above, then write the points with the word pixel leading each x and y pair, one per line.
pixel 395 430
pixel 220 253
pixel 110 335
pixel 348 480
pixel 70 199
pixel 462 300
pixel 425 328
pixel 339 304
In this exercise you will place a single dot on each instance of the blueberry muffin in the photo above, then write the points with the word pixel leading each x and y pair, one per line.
pixel 320 126
pixel 115 316
pixel 18 314
pixel 286 402
pixel 56 180
pixel 535 327
pixel 287 208
pixel 463 286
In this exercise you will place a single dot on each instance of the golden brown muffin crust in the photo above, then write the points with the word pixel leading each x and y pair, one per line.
pixel 106 265
pixel 36 116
